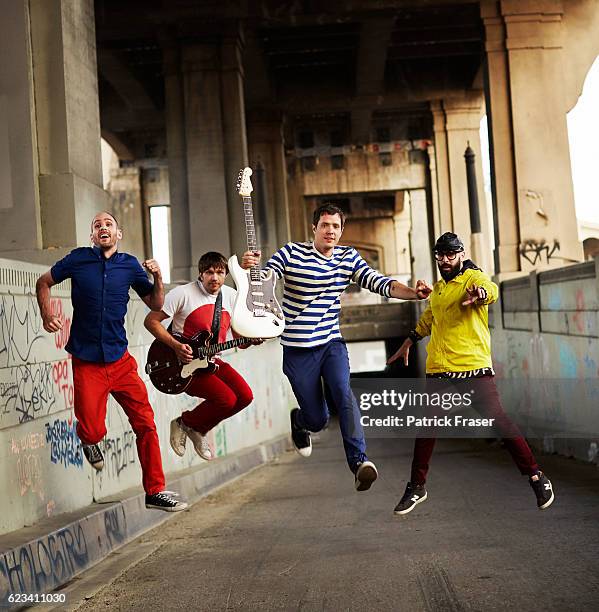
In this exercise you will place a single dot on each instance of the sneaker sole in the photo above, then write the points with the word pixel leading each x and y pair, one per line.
pixel 547 503
pixel 368 476
pixel 178 453
pixel 174 445
pixel 204 457
pixel 407 510
pixel 98 466
pixel 177 508
pixel 306 451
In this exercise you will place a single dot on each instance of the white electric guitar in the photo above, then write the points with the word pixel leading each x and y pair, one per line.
pixel 256 313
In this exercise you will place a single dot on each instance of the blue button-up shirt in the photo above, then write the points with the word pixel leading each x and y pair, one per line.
pixel 99 294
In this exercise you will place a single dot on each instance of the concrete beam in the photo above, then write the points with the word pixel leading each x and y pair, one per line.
pixel 130 89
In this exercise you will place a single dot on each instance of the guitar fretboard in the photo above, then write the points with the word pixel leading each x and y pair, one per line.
pixel 223 346
pixel 250 230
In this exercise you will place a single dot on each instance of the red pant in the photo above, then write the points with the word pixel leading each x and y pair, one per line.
pixel 488 405
pixel 92 384
pixel 225 393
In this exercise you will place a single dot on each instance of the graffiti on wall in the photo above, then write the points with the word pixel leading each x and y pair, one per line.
pixel 29 463
pixel 65 446
pixel 533 250
pixel 61 337
pixel 40 565
pixel 20 329
pixel 28 393
pixel 62 375
pixel 119 453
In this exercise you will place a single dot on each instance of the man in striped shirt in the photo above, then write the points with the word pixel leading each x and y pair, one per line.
pixel 315 275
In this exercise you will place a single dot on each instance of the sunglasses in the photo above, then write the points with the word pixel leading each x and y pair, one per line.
pixel 449 256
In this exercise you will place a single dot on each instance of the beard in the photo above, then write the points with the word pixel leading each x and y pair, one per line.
pixel 448 273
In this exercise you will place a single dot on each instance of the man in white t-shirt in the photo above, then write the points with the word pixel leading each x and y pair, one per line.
pixel 225 392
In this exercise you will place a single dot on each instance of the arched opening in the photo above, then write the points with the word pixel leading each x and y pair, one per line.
pixel 583 135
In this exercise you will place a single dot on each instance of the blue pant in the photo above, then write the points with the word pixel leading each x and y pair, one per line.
pixel 306 368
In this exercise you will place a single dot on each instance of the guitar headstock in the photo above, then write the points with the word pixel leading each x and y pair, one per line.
pixel 244 184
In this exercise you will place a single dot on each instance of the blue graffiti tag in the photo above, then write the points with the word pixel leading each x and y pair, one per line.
pixel 65 446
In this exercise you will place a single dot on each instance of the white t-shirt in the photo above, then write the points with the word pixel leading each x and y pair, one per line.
pixel 192 310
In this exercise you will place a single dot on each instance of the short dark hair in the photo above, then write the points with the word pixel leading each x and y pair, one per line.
pixel 212 259
pixel 328 209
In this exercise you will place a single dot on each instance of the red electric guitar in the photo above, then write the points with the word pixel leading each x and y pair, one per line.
pixel 171 376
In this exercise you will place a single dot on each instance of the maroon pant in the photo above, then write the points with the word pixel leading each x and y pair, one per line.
pixel 488 405
pixel 225 393
pixel 92 383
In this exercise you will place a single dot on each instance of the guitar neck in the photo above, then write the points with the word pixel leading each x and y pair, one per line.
pixel 212 349
pixel 250 231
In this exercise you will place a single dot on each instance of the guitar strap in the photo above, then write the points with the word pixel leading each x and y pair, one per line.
pixel 218 307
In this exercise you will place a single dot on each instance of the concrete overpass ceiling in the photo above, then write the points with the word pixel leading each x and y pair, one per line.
pixel 312 57
pixel 368 65
pixel 440 46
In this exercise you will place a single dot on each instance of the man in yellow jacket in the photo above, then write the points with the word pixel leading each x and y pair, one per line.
pixel 457 320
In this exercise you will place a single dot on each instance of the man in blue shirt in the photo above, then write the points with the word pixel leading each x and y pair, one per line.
pixel 100 281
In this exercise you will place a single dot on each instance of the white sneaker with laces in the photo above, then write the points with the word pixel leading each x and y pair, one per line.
pixel 199 441
pixel 178 437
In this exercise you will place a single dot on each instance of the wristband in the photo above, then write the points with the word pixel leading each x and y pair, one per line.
pixel 414 336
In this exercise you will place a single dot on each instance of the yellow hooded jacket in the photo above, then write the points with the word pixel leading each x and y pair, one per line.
pixel 460 338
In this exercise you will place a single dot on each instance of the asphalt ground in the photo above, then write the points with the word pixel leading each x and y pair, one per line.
pixel 295 535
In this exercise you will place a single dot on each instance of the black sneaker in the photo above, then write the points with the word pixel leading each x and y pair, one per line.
pixel 301 437
pixel 414 495
pixel 165 500
pixel 366 474
pixel 543 490
pixel 94 455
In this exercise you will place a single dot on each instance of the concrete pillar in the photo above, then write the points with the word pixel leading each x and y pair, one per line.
pixel 266 148
pixel 501 142
pixel 125 192
pixel 19 190
pixel 462 124
pixel 441 161
pixel 67 119
pixel 234 133
pixel 207 193
pixel 422 267
pixel 402 224
pixel 49 115
pixel 432 167
pixel 530 37
pixel 176 145
pixel 300 225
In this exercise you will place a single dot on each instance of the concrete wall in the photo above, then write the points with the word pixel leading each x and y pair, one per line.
pixel 43 471
pixel 546 350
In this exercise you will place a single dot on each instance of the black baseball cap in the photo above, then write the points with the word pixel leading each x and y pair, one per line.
pixel 448 243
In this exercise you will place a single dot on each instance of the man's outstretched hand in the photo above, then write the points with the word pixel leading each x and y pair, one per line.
pixel 476 295
pixel 423 289
pixel 402 352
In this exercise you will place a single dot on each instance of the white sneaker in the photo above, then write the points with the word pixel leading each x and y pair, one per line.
pixel 178 436
pixel 199 442
pixel 366 474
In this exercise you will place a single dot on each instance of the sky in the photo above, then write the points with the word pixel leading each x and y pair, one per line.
pixel 583 132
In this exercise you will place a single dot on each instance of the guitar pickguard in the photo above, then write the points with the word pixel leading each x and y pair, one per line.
pixel 188 369
pixel 262 297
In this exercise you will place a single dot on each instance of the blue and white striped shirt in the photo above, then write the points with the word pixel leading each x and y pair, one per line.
pixel 313 286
